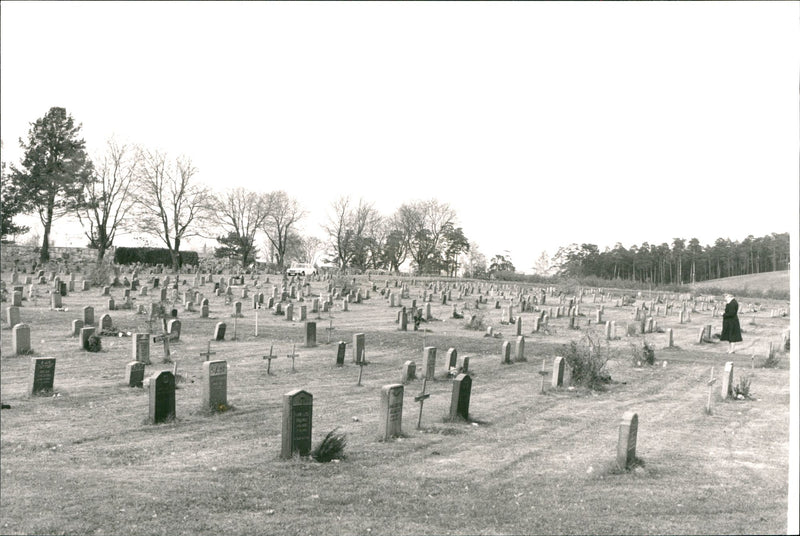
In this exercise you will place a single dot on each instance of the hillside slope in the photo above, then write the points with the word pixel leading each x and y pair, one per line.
pixel 769 282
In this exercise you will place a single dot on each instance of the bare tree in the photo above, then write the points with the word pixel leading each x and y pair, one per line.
pixel 284 212
pixel 351 229
pixel 426 223
pixel 240 213
pixel 106 198
pixel 171 204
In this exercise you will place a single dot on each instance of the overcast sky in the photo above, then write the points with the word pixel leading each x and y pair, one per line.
pixel 540 124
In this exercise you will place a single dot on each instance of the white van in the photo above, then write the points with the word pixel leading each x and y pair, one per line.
pixel 301 268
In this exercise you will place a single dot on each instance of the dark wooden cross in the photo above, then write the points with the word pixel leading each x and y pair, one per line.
pixel 269 359
pixel 362 362
pixel 165 338
pixel 543 373
pixel 292 355
pixel 421 398
pixel 208 353
pixel 330 329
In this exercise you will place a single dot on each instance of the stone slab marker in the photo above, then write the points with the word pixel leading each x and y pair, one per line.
pixel 141 348
pixel 219 331
pixel 558 371
pixel 215 384
pixel 86 332
pixel 452 358
pixel 12 316
pixel 296 423
pixel 340 351
pixel 88 316
pixel 459 402
pixel 174 329
pixel 134 374
pixel 311 334
pixel 626 442
pixel 358 347
pixel 670 342
pixel 21 339
pixel 409 371
pixel 55 300
pixel 519 349
pixel 391 410
pixel 162 397
pixel 42 374
pixel 727 381
pixel 77 326
pixel 429 362
pixel 505 353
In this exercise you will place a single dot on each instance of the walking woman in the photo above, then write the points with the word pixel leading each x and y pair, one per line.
pixel 731 331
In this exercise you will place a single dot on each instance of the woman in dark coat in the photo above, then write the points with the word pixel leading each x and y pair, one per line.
pixel 731 331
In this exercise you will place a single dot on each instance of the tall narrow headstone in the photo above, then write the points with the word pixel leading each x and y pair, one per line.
pixel 519 350
pixel 77 326
pixel 215 384
pixel 429 362
pixel 311 334
pixel 42 374
pixel 340 351
pixel 727 381
pixel 409 371
pixel 391 410
pixel 86 332
pixel 506 353
pixel 459 402
pixel 296 423
pixel 141 348
pixel 358 347
pixel 451 358
pixel 162 397
pixel 558 371
pixel 12 316
pixel 21 339
pixel 626 442
pixel 174 330
pixel 88 316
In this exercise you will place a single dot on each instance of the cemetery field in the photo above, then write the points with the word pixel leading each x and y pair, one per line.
pixel 529 459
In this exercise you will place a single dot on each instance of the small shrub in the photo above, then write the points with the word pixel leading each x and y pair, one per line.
pixel 330 448
pixel 771 361
pixel 643 354
pixel 102 274
pixel 94 344
pixel 742 389
pixel 476 323
pixel 588 361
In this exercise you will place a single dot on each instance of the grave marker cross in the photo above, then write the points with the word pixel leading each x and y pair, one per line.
pixel 361 364
pixel 165 338
pixel 269 359
pixel 543 373
pixel 330 329
pixel 208 353
pixel 292 355
pixel 421 398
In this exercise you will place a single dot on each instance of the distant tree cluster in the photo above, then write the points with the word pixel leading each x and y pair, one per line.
pixel 683 262
pixel 423 232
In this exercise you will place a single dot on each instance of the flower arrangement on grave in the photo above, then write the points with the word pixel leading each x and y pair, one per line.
pixel 94 344
pixel 331 448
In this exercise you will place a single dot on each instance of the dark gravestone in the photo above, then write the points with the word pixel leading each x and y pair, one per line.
pixel 459 402
pixel 162 397
pixel 134 374
pixel 506 353
pixel 451 358
pixel 558 371
pixel 626 443
pixel 358 347
pixel 311 334
pixel 296 423
pixel 340 351
pixel 219 331
pixel 42 374
pixel 141 347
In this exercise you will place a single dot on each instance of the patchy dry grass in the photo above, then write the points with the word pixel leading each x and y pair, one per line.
pixel 85 461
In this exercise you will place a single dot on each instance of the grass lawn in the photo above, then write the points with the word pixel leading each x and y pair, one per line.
pixel 83 460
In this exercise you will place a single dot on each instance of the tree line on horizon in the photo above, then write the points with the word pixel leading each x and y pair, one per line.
pixel 682 262
pixel 133 189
